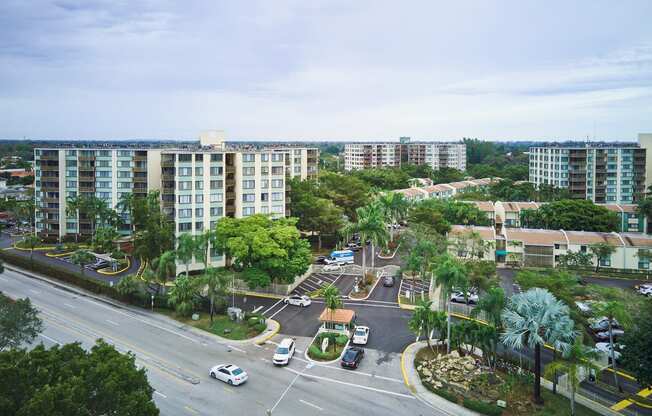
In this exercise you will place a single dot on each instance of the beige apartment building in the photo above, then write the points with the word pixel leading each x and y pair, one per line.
pixel 390 154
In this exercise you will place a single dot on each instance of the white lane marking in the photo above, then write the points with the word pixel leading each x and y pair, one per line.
pixel 361 373
pixel 112 323
pixel 257 309
pixel 160 394
pixel 272 307
pixel 285 392
pixel 310 404
pixel 393 393
pixel 235 348
pixel 34 291
pixel 275 313
pixel 362 304
pixel 69 305
pixel 49 339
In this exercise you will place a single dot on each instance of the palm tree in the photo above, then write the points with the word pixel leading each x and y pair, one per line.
pixel 217 283
pixel 602 251
pixel 127 205
pixel 371 226
pixel 449 273
pixel 576 359
pixel 614 311
pixel 332 298
pixel 186 248
pixel 532 319
pixel 161 270
pixel 82 258
pixel 31 242
pixel 203 243
pixel 183 295
pixel 395 208
pixel 423 320
pixel 492 304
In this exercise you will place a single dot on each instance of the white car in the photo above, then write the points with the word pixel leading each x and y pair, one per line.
pixel 459 297
pixel 229 373
pixel 604 335
pixel 360 335
pixel 284 352
pixel 645 289
pixel 333 267
pixel 602 324
pixel 297 300
pixel 603 347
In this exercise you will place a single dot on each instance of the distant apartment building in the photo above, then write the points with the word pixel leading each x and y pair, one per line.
pixel 605 173
pixel 199 184
pixel 437 155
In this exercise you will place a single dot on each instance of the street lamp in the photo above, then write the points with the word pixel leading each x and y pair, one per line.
pixel 152 302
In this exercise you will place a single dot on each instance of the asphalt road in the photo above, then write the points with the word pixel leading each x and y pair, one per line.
pixel 177 361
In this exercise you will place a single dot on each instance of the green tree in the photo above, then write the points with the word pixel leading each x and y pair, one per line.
pixel 128 285
pixel 346 191
pixel 155 232
pixel 383 178
pixel 370 226
pixel 575 260
pixel 217 283
pixel 19 323
pixel 614 311
pixel 127 205
pixel 31 242
pixel 453 212
pixel 637 357
pixel 576 358
pixel 183 295
pixel 104 239
pixel 533 318
pixel 186 249
pixel 73 381
pixel 450 273
pixel 161 270
pixel 82 258
pixel 93 209
pixel 422 321
pixel 332 299
pixel 203 244
pixel 492 304
pixel 571 214
pixel 602 252
pixel 395 208
pixel 428 216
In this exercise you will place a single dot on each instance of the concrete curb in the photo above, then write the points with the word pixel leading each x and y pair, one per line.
pixel 372 289
pixel 270 335
pixel 305 353
pixel 119 271
pixel 389 257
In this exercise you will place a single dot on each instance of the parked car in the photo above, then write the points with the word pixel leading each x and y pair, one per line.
pixel 388 281
pixel 645 289
pixel 333 267
pixel 583 307
pixel 354 246
pixel 604 335
pixel 472 298
pixel 284 352
pixel 360 335
pixel 100 264
pixel 229 373
pixel 601 324
pixel 352 357
pixel 320 260
pixel 603 347
pixel 297 300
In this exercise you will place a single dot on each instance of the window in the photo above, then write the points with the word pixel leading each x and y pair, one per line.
pixel 605 262
pixel 199 199
pixel 264 170
pixel 71 153
pixel 104 184
pixel 248 157
pixel 185 185
pixel 644 264
pixel 264 184
pixel 248 197
pixel 277 157
pixel 122 153
pixel 121 174
pixel 216 171
pixel 199 184
pixel 199 212
pixel 71 163
pixel 264 210
pixel 185 157
pixel 264 197
pixel 216 157
pixel 277 183
pixel 277 196
pixel 71 184
pixel 105 164
pixel 71 173
pixel 278 209
pixel 105 153
pixel 104 195
pixel 199 226
pixel 248 171
pixel 216 212
pixel 185 213
pixel 277 170
pixel 297 169
pixel 185 199
pixel 217 184
pixel 246 211
pixel 199 171
pixel 248 184
pixel 185 226
pixel 199 157
pixel 264 157
pixel 216 197
pixel 185 171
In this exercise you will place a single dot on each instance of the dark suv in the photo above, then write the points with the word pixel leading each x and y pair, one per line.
pixel 388 281
pixel 352 357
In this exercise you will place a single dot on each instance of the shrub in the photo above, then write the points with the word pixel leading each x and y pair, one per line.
pixel 482 407
pixel 260 327
pixel 451 397
pixel 252 321
pixel 341 340
pixel 315 353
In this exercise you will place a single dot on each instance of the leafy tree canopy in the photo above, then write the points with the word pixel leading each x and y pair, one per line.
pixel 19 322
pixel 571 214
pixel 453 212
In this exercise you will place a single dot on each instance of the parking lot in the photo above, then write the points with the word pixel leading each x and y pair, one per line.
pixel 413 286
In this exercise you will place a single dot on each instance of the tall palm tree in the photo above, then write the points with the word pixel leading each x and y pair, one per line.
pixel 532 319
pixel 203 243
pixel 127 205
pixel 576 359
pixel 186 248
pixel 162 269
pixel 449 273
pixel 31 241
pixel 371 226
pixel 492 304
pixel 395 208
pixel 82 258
pixel 217 283
pixel 614 311
pixel 332 299
pixel 423 320
pixel 183 295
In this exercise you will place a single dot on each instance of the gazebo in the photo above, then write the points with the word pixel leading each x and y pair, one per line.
pixel 338 320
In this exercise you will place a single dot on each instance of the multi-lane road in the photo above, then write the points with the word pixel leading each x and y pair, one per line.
pixel 177 360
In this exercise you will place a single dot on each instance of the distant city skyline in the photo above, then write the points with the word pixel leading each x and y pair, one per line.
pixel 332 70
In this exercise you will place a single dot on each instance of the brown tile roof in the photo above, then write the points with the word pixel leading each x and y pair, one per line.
pixel 589 237
pixel 535 237
pixel 637 240
pixel 487 233
pixel 411 192
pixel 485 206
pixel 630 208
pixel 461 185
pixel 340 316
pixel 527 205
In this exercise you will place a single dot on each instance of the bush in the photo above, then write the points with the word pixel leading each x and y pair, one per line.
pixel 252 321
pixel 315 353
pixel 341 340
pixel 482 407
pixel 451 397
pixel 260 327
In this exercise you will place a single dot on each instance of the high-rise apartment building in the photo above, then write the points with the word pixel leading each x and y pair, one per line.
pixel 198 183
pixel 434 154
pixel 602 173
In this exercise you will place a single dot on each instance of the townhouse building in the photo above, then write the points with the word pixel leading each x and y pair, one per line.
pixel 391 154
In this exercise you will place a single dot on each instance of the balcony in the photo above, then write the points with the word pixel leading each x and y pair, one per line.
pixel 49 156
pixel 86 188
pixel 49 167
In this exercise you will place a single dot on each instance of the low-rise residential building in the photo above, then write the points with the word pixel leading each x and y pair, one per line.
pixel 445 190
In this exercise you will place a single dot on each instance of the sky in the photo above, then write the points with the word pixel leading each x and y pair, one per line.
pixel 313 70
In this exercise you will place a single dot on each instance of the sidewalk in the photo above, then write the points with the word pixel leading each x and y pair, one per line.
pixel 413 382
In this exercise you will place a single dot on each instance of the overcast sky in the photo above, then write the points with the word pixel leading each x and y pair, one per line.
pixel 333 69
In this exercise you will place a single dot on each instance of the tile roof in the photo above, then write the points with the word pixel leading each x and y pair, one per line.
pixel 340 316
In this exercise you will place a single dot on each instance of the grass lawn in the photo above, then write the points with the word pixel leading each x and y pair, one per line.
pixel 238 330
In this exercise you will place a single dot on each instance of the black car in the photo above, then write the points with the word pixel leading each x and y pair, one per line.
pixel 388 281
pixel 320 259
pixel 352 357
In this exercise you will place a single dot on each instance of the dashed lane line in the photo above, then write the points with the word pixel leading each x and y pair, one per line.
pixel 158 393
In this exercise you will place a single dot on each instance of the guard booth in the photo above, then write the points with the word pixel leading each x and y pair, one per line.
pixel 339 320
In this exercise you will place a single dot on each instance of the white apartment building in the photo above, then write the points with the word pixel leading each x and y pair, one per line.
pixel 375 155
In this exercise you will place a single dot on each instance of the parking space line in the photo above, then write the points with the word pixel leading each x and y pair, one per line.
pixel 311 405
pixel 160 394
pixel 272 307
pixel 275 313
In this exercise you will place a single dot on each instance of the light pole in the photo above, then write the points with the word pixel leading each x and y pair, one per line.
pixel 152 302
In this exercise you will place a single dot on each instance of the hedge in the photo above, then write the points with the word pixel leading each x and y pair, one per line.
pixel 482 407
